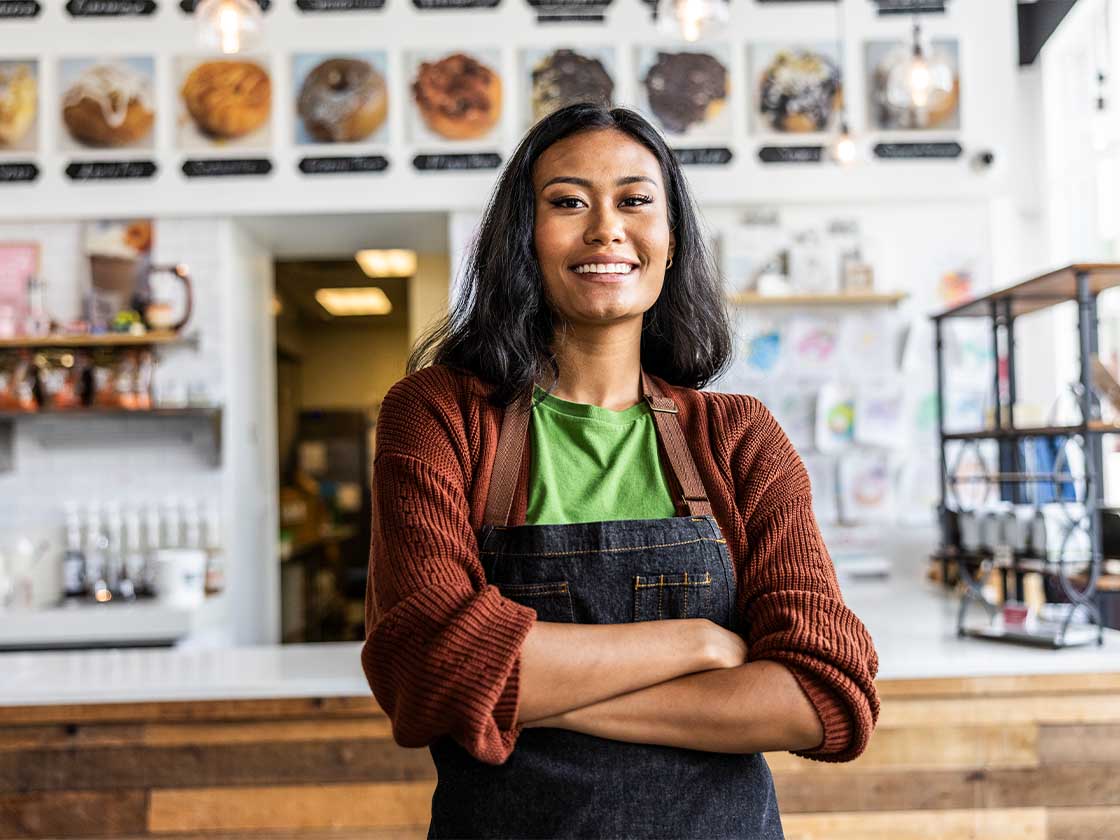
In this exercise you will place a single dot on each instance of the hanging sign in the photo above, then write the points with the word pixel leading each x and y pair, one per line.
pixel 110 8
pixel 896 151
pixel 110 170
pixel 791 154
pixel 427 5
pixel 216 167
pixel 476 160
pixel 343 164
pixel 16 172
pixel 718 156
pixel 339 5
pixel 910 7
pixel 570 11
pixel 19 8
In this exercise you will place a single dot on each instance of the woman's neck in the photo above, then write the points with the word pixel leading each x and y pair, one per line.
pixel 602 373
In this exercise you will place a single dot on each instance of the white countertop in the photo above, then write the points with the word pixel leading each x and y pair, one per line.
pixel 912 621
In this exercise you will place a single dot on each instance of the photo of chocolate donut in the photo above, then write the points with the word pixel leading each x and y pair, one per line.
pixel 558 77
pixel 19 106
pixel 797 89
pixel 224 103
pixel 686 92
pixel 455 96
pixel 889 105
pixel 107 103
pixel 340 98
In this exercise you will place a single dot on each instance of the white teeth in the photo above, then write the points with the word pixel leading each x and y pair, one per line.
pixel 604 268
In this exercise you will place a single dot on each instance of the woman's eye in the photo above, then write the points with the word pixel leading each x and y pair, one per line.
pixel 642 199
pixel 565 202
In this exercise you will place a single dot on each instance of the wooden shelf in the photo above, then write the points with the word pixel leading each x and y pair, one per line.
pixel 92 341
pixel 1037 431
pixel 1037 293
pixel 843 299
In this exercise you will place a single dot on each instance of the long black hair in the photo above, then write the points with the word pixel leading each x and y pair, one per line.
pixel 501 326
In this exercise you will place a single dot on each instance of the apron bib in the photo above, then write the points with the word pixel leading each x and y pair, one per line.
pixel 558 783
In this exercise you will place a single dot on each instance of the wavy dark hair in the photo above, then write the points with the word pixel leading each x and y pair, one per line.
pixel 501 327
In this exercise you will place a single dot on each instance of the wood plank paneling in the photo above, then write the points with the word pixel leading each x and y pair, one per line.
pixel 273 731
pixel 995 824
pixel 196 710
pixel 73 814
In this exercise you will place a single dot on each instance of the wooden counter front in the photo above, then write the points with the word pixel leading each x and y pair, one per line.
pixel 991 757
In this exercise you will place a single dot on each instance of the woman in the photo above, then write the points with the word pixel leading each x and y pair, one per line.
pixel 598 607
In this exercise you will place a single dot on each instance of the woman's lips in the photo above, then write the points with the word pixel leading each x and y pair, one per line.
pixel 603 277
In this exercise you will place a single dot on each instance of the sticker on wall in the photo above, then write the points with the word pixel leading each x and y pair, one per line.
pixel 796 88
pixel 18 172
pixel 570 11
pixel 188 6
pixel 454 161
pixel 835 417
pixel 107 104
pixel 866 492
pixel 343 164
pixel 110 8
pixel 340 99
pixel 686 92
pixel 893 106
pixel 906 7
pixel 19 9
pixel 456 101
pixel 911 151
pixel 339 5
pixel 791 154
pixel 558 77
pixel 223 167
pixel 427 5
pixel 19 107
pixel 225 104
pixel 110 170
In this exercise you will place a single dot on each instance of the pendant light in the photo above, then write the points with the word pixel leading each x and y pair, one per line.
pixel 691 19
pixel 842 149
pixel 919 76
pixel 231 26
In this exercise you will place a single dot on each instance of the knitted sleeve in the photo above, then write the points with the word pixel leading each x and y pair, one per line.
pixel 792 605
pixel 442 646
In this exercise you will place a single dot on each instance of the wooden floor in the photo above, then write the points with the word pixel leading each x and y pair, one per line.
pixel 991 758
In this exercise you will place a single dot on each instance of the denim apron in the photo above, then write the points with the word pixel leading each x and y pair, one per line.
pixel 558 783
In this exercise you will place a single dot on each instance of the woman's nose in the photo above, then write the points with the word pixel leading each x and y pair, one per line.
pixel 604 225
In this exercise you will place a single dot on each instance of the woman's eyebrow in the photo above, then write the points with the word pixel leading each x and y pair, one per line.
pixel 583 182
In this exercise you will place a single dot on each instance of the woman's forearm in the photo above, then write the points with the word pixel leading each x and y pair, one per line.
pixel 756 707
pixel 566 666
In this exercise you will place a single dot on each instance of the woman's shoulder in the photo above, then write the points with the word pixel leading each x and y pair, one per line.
pixel 434 402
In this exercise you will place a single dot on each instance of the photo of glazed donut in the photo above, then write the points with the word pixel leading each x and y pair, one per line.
pixel 224 103
pixel 686 92
pixel 558 77
pixel 107 103
pixel 340 99
pixel 456 96
pixel 19 106
pixel 797 89
pixel 890 107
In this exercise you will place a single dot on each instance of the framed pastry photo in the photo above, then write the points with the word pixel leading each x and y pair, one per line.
pixel 893 106
pixel 553 78
pixel 107 103
pixel 340 98
pixel 795 88
pixel 19 106
pixel 456 98
pixel 686 93
pixel 224 103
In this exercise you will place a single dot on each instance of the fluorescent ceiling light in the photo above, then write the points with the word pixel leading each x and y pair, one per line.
pixel 394 262
pixel 355 300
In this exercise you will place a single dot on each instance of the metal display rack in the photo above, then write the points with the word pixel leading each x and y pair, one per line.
pixel 1081 283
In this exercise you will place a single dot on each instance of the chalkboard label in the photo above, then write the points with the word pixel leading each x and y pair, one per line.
pixel 18 172
pixel 454 4
pixel 910 7
pixel 339 5
pixel 19 8
pixel 216 168
pixel 570 11
pixel 476 160
pixel 909 151
pixel 188 5
pixel 718 156
pixel 791 154
pixel 343 164
pixel 110 8
pixel 110 170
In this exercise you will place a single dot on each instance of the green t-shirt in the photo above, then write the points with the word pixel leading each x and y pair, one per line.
pixel 591 464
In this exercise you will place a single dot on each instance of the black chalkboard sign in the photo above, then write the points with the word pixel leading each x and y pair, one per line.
pixel 910 151
pixel 474 160
pixel 19 9
pixel 15 172
pixel 110 170
pixel 428 5
pixel 339 5
pixel 188 5
pixel 910 7
pixel 343 164
pixel 717 156
pixel 791 154
pixel 110 8
pixel 220 167
pixel 570 11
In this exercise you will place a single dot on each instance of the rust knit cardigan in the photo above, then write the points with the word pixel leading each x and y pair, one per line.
pixel 442 648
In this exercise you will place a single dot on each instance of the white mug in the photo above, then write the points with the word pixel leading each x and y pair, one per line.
pixel 181 576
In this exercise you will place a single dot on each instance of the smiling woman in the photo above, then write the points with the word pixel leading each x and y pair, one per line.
pixel 598 593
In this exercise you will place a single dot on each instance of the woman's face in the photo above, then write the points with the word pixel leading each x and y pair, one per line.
pixel 599 194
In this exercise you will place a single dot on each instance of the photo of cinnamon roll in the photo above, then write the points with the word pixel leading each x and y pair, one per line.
pixel 108 103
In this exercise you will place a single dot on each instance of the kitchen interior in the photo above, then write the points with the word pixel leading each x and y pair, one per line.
pixel 199 319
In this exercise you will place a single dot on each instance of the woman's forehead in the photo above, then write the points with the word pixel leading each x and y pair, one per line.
pixel 616 155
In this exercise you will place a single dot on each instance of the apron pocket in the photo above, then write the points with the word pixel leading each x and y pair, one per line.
pixel 672 596
pixel 551 599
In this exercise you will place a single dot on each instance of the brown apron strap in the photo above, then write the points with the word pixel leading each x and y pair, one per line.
pixel 515 430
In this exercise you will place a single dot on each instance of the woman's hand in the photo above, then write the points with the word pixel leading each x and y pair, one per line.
pixel 724 648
